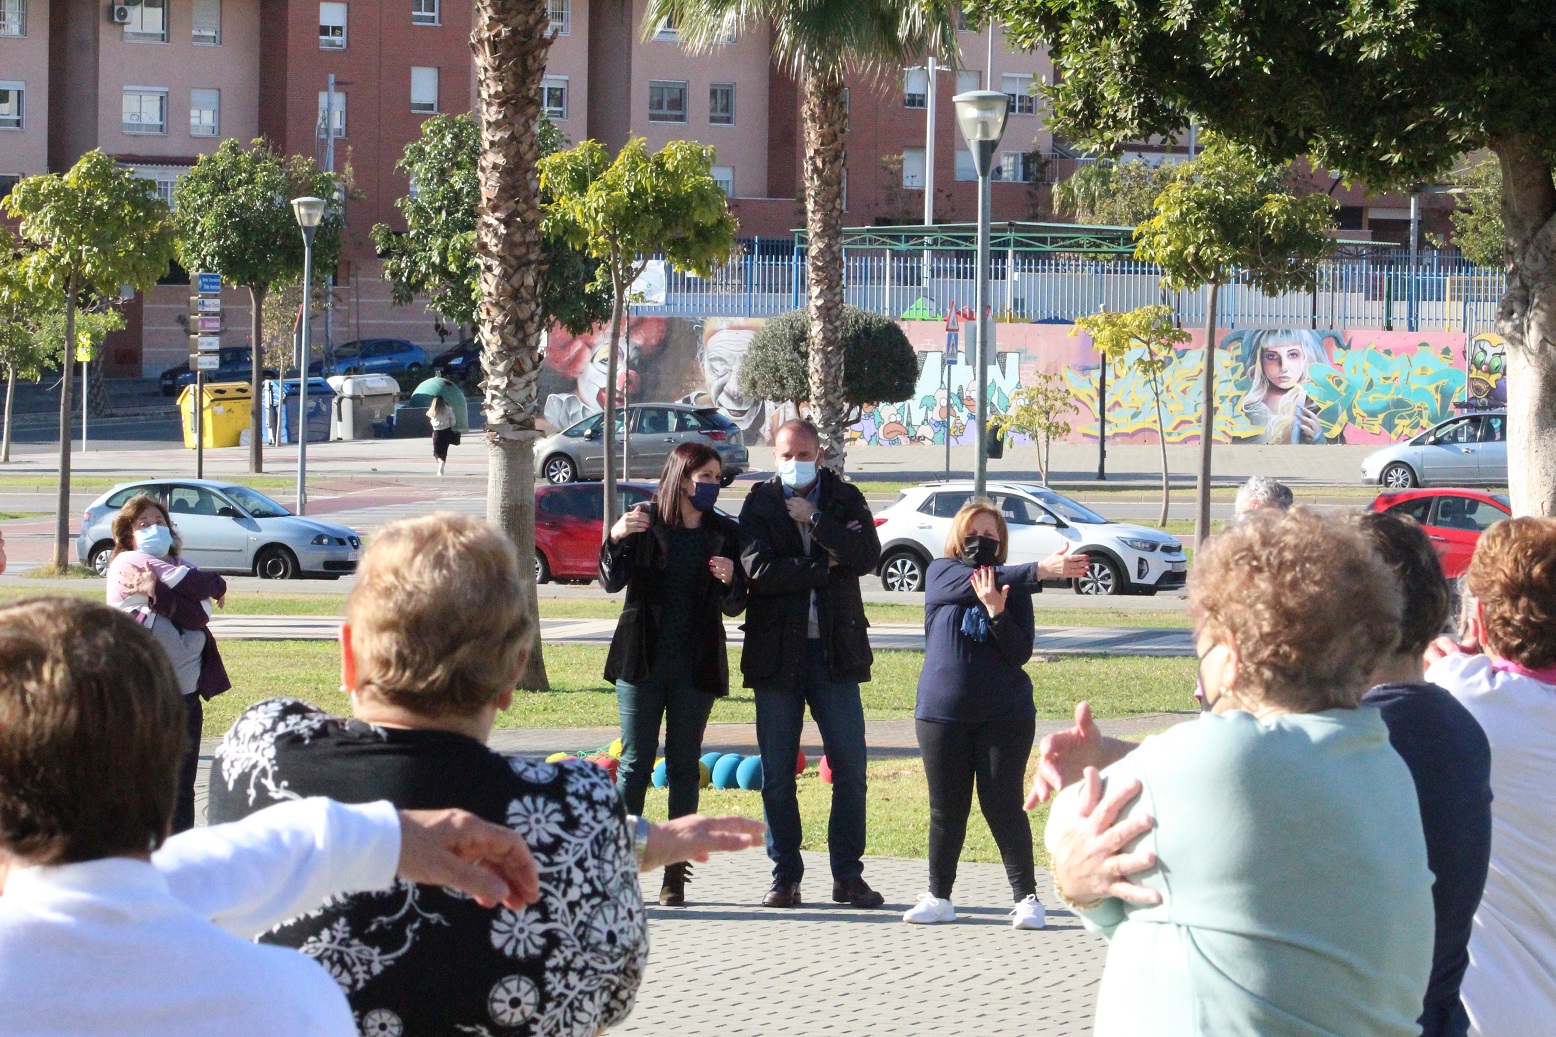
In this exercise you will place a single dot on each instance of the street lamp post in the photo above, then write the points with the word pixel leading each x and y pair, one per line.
pixel 981 114
pixel 309 212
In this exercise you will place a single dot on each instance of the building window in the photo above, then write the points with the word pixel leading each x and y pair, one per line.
pixel 164 186
pixel 332 26
pixel 145 110
pixel 1018 90
pixel 204 112
pixel 8 183
pixel 424 12
pixel 553 98
pixel 913 168
pixel 148 22
pixel 915 88
pixel 424 90
pixel 721 104
pixel 965 170
pixel 667 30
pixel 561 15
pixel 337 110
pixel 724 176
pixel 207 28
pixel 1017 166
pixel 666 102
pixel 968 80
pixel 13 17
pixel 11 95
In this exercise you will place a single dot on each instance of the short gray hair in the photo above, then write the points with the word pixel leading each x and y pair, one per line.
pixel 1261 491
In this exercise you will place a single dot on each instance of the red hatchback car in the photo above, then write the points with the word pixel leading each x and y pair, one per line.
pixel 569 520
pixel 1452 518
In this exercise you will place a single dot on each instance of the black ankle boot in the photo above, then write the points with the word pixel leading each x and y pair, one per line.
pixel 673 892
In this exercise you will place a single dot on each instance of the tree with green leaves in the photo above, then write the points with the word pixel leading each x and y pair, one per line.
pixel 1114 194
pixel 622 211
pixel 234 218
pixel 820 42
pixel 1146 340
pixel 435 255
pixel 22 306
pixel 1389 94
pixel 1037 411
pixel 1478 230
pixel 1227 215
pixel 879 363
pixel 89 231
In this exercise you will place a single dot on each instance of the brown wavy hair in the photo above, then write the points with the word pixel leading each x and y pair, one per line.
pixel 964 518
pixel 1513 576
pixel 682 462
pixel 124 523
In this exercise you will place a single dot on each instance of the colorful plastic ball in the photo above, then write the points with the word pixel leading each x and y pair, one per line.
pixel 749 774
pixel 609 764
pixel 710 759
pixel 724 772
pixel 615 749
pixel 661 776
pixel 826 771
pixel 557 757
pixel 799 764
pixel 705 774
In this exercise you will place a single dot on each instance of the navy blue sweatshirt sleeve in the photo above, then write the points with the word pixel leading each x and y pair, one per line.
pixel 1013 629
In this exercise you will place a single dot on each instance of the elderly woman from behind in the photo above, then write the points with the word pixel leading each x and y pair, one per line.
pixel 1287 890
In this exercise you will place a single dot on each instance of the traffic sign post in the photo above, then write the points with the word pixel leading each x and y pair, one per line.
pixel 205 325
pixel 208 284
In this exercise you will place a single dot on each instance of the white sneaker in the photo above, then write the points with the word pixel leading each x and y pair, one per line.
pixel 930 910
pixel 1029 914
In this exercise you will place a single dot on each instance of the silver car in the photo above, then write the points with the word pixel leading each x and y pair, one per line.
pixel 578 452
pixel 228 528
pixel 1462 451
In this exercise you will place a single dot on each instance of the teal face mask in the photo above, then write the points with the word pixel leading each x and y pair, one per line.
pixel 156 541
pixel 796 474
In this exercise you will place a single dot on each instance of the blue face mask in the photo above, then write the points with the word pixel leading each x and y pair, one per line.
pixel 796 474
pixel 704 495
pixel 156 541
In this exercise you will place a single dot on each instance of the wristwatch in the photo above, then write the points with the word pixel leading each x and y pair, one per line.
pixel 640 829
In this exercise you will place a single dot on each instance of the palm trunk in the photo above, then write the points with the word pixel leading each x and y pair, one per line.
pixel 256 375
pixel 510 41
pixel 1527 321
pixel 1161 435
pixel 826 123
pixel 1207 428
pixel 608 422
pixel 62 496
pixel 10 397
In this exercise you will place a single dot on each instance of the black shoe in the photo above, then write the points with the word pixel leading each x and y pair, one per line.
pixel 783 894
pixel 673 892
pixel 856 891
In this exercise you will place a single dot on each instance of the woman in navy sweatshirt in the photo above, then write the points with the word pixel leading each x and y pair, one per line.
pixel 974 717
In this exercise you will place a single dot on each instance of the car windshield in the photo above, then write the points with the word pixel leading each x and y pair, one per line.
pixel 1065 508
pixel 256 504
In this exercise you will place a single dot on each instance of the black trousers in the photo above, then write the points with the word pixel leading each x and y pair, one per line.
pixel 194 722
pixel 994 755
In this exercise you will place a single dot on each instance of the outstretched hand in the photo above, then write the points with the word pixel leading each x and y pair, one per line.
pixel 695 837
pixel 455 848
pixel 1089 862
pixel 1062 565
pixel 1063 756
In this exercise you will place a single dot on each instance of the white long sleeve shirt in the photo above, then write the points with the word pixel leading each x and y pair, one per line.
pixel 128 948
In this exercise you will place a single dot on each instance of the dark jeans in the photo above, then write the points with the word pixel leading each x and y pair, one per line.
pixel 995 754
pixel 684 710
pixel 184 807
pixel 780 716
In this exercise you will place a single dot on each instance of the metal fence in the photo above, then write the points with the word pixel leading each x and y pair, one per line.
pixel 1443 293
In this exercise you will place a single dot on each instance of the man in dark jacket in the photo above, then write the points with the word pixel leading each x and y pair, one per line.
pixel 807 643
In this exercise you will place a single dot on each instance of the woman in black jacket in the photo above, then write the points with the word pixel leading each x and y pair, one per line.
pixel 677 558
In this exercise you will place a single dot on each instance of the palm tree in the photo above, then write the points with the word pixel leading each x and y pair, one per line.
pixel 819 42
pixel 510 39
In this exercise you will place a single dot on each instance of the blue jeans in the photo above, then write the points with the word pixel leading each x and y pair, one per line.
pixel 685 712
pixel 780 717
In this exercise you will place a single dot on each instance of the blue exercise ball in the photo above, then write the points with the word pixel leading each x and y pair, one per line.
pixel 749 774
pixel 661 776
pixel 724 772
pixel 710 760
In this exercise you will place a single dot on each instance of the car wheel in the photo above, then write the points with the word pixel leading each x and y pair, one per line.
pixel 559 468
pixel 275 563
pixel 542 567
pixel 99 556
pixel 1398 476
pixel 1101 577
pixel 903 571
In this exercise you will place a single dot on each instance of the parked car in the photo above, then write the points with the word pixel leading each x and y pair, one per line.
pixel 379 356
pixel 461 365
pixel 235 367
pixel 569 523
pixel 578 452
pixel 1125 559
pixel 1470 449
pixel 228 528
pixel 1453 519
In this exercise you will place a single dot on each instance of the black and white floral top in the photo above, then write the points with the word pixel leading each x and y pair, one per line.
pixel 422 961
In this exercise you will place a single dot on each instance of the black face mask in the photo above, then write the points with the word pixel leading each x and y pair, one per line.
pixel 980 551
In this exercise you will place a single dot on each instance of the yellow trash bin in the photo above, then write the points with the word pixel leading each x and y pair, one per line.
pixel 226 413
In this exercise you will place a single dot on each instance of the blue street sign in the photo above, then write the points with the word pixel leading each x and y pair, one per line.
pixel 208 284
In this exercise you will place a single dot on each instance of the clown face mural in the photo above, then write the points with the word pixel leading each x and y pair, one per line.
pixel 1487 372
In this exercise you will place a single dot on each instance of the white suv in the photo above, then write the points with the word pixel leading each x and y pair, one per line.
pixel 1125 559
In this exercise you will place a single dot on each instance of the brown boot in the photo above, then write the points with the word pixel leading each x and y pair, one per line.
pixel 673 892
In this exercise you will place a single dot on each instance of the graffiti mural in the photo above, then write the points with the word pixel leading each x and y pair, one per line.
pixel 1487 373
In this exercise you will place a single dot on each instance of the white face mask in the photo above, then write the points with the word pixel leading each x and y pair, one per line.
pixel 796 474
pixel 156 540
